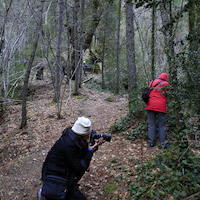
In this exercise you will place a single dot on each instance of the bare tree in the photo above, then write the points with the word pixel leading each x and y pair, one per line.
pixel 68 43
pixel 58 67
pixel 2 45
pixel 25 88
pixel 130 46
pixel 153 43
pixel 77 67
pixel 118 41
pixel 2 30
pixel 81 39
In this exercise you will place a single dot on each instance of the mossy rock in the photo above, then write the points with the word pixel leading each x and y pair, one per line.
pixel 111 99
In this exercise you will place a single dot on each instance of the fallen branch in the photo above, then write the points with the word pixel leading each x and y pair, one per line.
pixel 190 197
pixel 85 81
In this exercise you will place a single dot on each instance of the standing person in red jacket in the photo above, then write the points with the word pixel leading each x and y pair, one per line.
pixel 157 107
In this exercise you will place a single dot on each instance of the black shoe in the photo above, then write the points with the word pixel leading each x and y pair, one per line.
pixel 166 146
pixel 151 145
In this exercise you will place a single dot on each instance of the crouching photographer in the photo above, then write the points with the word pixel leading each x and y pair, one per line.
pixel 68 160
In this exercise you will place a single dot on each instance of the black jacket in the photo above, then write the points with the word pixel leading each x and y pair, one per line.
pixel 69 157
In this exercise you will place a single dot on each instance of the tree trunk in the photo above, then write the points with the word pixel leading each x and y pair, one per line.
pixel 95 22
pixel 153 44
pixel 25 88
pixel 77 67
pixel 192 29
pixel 103 61
pixel 68 43
pixel 3 27
pixel 81 40
pixel 118 41
pixel 130 46
pixel 58 67
pixel 167 31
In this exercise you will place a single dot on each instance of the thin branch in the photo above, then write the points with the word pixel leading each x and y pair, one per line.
pixel 190 197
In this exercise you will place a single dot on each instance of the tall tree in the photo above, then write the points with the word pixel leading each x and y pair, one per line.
pixel 81 39
pixel 58 67
pixel 68 43
pixel 168 34
pixel 153 43
pixel 192 68
pixel 167 22
pixel 130 46
pixel 118 43
pixel 2 29
pixel 77 66
pixel 25 88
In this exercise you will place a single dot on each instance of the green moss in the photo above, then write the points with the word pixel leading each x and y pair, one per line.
pixel 11 134
pixel 52 102
pixel 111 98
pixel 111 187
pixel 115 160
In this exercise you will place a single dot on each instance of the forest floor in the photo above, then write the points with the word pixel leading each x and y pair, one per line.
pixel 22 152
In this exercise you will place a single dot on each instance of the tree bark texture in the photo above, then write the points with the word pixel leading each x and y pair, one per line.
pixel 103 61
pixel 58 68
pixel 130 46
pixel 68 43
pixel 77 67
pixel 118 43
pixel 25 88
pixel 173 80
pixel 153 44
pixel 81 39
pixel 167 31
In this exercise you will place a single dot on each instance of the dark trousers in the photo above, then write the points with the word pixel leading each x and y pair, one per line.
pixel 76 195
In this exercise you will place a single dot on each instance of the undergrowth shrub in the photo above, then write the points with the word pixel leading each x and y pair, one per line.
pixel 134 124
pixel 175 172
pixel 170 175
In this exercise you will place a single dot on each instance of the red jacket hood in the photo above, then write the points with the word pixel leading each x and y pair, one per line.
pixel 164 77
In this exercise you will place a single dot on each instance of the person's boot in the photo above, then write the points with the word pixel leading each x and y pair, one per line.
pixel 151 145
pixel 40 197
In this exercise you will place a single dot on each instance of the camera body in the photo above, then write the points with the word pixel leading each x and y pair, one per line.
pixel 94 135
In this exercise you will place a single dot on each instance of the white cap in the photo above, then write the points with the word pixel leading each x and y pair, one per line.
pixel 82 126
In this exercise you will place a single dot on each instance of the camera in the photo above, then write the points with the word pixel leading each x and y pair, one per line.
pixel 94 135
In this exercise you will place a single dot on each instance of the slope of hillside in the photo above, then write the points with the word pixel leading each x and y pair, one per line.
pixel 22 152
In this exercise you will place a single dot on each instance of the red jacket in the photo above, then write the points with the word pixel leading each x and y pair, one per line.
pixel 158 99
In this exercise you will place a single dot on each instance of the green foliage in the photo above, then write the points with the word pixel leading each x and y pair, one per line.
pixel 169 175
pixel 174 172
pixel 136 111
pixel 121 125
pixel 139 132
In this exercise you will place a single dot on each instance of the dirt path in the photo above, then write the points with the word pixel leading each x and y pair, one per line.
pixel 22 152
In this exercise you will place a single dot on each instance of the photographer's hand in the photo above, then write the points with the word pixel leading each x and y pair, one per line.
pixel 98 143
